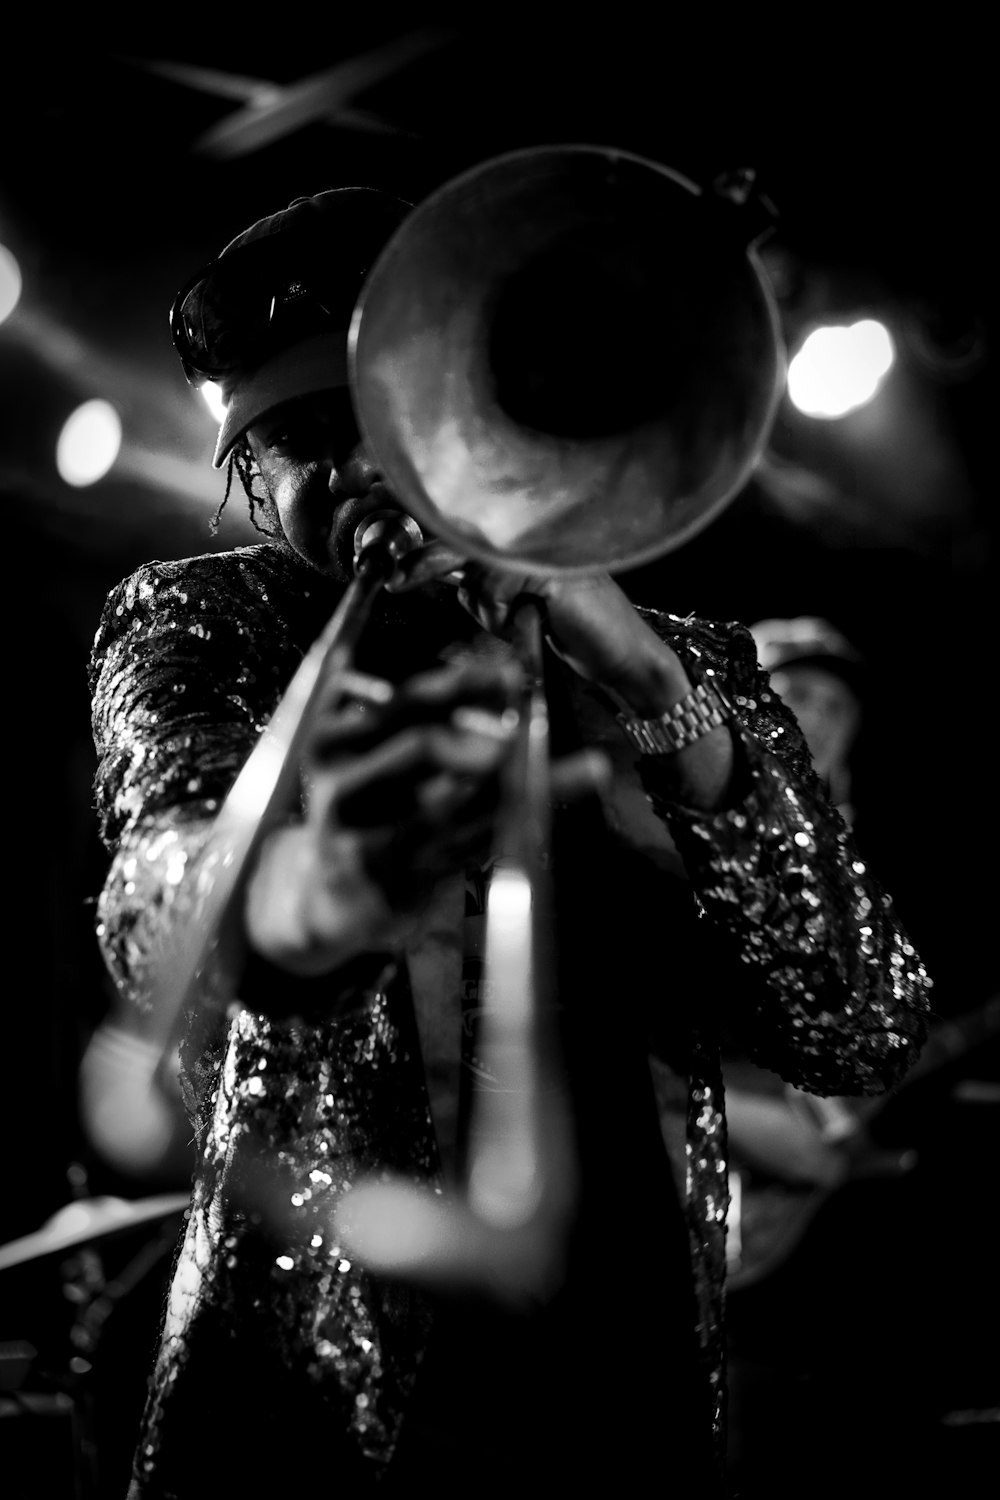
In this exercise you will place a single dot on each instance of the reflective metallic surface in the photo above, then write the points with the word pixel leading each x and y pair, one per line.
pixel 568 356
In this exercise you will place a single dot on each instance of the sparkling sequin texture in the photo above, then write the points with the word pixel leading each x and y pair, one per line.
pixel 189 662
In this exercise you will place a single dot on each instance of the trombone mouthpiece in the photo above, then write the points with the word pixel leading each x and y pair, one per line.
pixel 394 531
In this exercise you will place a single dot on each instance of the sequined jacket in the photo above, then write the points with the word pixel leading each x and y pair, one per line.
pixel 189 662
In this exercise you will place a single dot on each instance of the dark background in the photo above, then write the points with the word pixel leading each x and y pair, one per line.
pixel 871 141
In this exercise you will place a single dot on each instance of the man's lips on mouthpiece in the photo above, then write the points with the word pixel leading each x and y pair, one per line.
pixel 347 513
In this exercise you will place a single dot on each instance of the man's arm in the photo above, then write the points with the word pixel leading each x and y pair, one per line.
pixel 835 998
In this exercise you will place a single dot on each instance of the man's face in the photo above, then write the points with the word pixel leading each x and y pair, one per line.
pixel 320 480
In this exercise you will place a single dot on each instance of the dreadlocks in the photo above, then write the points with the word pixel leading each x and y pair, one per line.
pixel 243 463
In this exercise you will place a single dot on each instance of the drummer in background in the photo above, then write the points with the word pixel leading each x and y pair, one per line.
pixel 333 1045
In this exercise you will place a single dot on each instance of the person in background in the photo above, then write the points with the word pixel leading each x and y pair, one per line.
pixel 820 675
pixel 336 1043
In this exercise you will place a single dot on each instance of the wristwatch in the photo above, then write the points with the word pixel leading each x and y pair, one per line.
pixel 703 709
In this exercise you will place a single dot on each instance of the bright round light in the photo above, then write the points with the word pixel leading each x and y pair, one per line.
pixel 89 443
pixel 874 346
pixel 10 283
pixel 836 370
pixel 212 396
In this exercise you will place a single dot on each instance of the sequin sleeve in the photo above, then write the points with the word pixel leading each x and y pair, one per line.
pixel 836 999
pixel 187 665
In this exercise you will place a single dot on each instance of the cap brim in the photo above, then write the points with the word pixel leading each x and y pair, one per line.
pixel 314 364
pixel 848 669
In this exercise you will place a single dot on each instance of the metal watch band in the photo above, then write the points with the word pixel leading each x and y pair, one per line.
pixel 681 725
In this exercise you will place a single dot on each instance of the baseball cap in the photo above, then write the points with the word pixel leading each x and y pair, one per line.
pixel 267 319
pixel 316 363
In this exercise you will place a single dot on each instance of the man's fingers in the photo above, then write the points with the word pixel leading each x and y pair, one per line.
pixel 389 781
pixel 582 774
pixel 378 710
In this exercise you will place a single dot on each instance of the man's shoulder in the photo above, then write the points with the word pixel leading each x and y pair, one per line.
pixel 212 569
pixel 209 581
pixel 236 585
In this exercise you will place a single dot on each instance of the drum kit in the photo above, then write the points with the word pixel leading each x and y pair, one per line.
pixel 80 1301
pixel 90 1222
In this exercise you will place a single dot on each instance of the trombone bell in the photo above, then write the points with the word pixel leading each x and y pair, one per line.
pixel 568 360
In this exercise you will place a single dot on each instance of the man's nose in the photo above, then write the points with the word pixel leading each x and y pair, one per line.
pixel 356 474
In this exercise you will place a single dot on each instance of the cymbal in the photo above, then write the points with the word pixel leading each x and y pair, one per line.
pixel 87 1220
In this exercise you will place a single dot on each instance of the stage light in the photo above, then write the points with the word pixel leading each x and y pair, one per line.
pixel 89 443
pixel 838 369
pixel 10 282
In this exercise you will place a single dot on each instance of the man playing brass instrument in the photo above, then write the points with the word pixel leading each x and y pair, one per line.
pixel 694 854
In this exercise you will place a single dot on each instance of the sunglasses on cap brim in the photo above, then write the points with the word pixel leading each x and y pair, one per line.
pixel 229 315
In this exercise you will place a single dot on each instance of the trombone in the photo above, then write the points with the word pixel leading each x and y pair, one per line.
pixel 567 360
